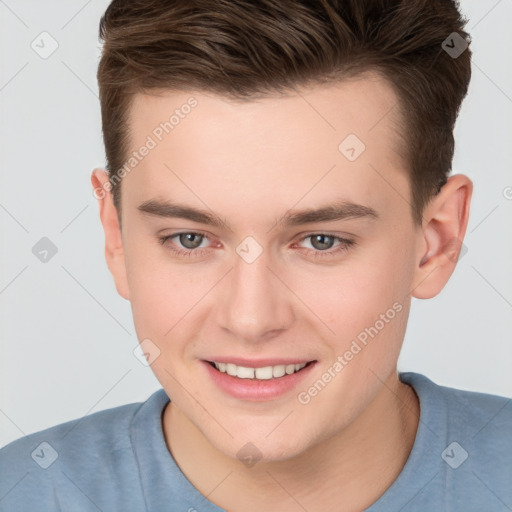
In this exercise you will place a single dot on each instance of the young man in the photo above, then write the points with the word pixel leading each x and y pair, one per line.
pixel 273 202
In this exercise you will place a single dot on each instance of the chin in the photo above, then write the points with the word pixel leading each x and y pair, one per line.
pixel 261 449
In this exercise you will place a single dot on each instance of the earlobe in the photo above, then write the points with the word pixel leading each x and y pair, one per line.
pixel 114 250
pixel 441 236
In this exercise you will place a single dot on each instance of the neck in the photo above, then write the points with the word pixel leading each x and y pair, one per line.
pixel 349 471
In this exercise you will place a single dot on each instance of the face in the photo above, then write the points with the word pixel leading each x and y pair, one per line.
pixel 265 282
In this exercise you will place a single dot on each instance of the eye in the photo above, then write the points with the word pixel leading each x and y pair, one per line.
pixel 190 240
pixel 322 242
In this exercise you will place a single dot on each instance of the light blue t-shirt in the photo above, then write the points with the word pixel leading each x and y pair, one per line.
pixel 117 460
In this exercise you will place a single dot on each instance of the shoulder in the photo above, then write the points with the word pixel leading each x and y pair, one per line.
pixel 484 420
pixel 470 434
pixel 470 411
pixel 461 458
pixel 75 454
pixel 70 439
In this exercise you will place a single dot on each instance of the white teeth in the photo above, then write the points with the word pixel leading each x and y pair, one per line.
pixel 279 370
pixel 244 373
pixel 231 369
pixel 265 373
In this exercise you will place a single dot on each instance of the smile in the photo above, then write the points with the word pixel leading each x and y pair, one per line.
pixel 264 373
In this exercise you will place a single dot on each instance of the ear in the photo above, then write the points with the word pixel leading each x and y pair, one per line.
pixel 440 240
pixel 114 251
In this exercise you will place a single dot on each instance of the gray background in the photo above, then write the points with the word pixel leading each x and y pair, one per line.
pixel 67 337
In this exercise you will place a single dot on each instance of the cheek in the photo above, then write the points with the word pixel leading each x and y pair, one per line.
pixel 352 296
pixel 160 300
pixel 169 302
pixel 158 293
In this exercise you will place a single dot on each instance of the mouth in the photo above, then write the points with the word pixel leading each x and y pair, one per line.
pixel 259 383
pixel 262 373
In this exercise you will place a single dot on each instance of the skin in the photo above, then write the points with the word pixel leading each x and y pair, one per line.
pixel 249 164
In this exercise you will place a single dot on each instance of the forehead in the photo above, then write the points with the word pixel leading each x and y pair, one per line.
pixel 201 142
pixel 359 104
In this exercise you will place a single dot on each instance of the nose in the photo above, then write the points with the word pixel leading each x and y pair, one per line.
pixel 255 304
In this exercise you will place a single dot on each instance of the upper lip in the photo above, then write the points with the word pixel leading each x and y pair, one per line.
pixel 259 363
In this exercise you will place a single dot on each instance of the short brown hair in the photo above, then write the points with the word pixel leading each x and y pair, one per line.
pixel 243 49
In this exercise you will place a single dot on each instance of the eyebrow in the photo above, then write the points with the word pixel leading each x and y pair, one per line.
pixel 337 211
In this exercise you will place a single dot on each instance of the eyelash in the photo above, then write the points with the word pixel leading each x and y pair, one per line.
pixel 345 245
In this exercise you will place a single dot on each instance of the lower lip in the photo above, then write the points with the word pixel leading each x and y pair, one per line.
pixel 257 390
